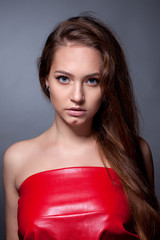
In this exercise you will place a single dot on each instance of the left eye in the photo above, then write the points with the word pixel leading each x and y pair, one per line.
pixel 93 81
pixel 62 79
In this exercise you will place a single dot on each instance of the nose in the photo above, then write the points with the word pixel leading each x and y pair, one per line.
pixel 77 94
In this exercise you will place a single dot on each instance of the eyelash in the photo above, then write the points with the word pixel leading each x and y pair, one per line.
pixel 62 76
pixel 96 81
pixel 59 78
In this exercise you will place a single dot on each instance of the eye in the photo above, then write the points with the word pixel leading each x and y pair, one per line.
pixel 62 79
pixel 93 81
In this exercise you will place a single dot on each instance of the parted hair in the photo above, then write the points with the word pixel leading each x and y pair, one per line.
pixel 115 124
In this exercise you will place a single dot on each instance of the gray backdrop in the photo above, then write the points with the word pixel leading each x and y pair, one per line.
pixel 24 26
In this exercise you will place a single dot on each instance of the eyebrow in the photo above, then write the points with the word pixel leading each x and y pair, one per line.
pixel 71 75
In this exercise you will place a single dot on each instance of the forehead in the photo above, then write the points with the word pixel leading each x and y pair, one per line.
pixel 73 57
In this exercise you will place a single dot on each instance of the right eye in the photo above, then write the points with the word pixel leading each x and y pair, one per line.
pixel 62 79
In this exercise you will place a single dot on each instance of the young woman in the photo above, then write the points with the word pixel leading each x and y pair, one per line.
pixel 89 176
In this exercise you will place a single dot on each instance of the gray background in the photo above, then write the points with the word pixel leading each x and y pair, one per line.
pixel 24 26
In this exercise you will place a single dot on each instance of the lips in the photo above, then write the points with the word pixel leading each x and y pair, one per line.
pixel 76 109
pixel 76 112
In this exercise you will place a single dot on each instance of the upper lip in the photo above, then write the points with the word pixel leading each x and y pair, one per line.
pixel 76 109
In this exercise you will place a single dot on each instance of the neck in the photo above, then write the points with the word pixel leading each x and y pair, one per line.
pixel 64 132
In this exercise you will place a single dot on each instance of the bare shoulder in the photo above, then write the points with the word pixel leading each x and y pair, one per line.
pixel 15 156
pixel 146 152
pixel 148 160
pixel 16 152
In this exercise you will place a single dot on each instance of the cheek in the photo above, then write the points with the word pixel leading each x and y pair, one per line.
pixel 96 100
pixel 98 97
pixel 98 103
pixel 55 97
pixel 58 97
pixel 55 93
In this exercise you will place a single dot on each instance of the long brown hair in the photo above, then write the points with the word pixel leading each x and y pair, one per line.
pixel 116 123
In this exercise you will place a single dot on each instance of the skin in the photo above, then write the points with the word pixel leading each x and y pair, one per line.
pixel 72 83
pixel 69 141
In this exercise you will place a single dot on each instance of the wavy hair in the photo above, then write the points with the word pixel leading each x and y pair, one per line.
pixel 115 125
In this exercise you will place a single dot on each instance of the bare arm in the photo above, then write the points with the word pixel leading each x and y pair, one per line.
pixel 11 195
pixel 148 161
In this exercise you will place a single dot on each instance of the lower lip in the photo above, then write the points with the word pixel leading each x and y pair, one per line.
pixel 75 113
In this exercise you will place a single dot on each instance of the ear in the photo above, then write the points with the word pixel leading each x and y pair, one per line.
pixel 46 82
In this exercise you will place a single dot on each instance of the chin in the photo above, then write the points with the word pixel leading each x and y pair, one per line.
pixel 76 123
pixel 81 124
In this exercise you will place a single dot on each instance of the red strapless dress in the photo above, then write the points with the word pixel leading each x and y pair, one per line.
pixel 74 203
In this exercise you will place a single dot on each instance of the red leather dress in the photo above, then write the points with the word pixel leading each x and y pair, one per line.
pixel 74 203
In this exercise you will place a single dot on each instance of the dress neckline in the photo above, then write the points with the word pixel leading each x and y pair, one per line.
pixel 62 169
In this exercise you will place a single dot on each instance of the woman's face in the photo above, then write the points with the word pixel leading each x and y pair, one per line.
pixel 74 84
